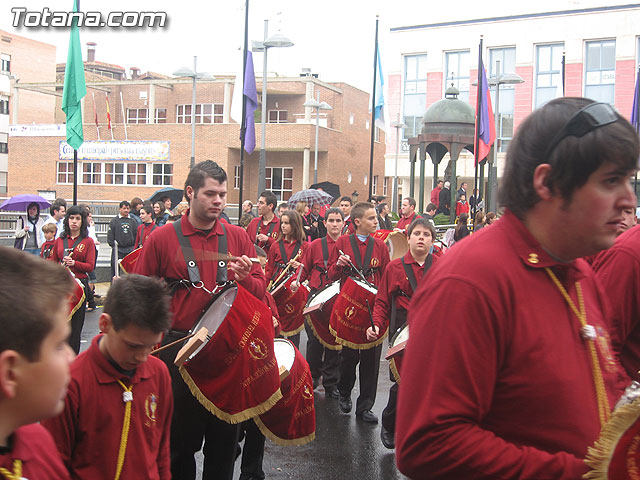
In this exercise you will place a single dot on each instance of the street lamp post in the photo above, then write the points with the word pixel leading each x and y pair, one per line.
pixel 313 103
pixel 186 72
pixel 398 125
pixel 277 41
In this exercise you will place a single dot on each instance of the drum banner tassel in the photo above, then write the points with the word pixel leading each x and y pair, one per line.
pixel 321 332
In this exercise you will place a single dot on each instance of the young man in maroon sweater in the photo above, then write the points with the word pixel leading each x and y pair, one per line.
pixel 408 211
pixel 264 230
pixel 508 342
pixel 364 219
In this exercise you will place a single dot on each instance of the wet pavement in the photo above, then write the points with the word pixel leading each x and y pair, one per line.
pixel 344 448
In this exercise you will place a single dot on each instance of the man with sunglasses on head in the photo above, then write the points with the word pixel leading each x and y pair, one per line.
pixel 518 378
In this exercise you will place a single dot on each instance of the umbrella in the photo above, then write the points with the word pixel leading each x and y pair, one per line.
pixel 19 203
pixel 175 194
pixel 331 188
pixel 311 196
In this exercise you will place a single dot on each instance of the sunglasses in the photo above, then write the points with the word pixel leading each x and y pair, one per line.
pixel 594 115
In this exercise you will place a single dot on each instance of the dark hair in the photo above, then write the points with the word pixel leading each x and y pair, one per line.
pixel 462 222
pixel 431 206
pixel 33 291
pixel 295 220
pixel 270 199
pixel 138 300
pixel 76 210
pixel 135 201
pixel 124 203
pixel 380 207
pixel 572 161
pixel 479 219
pixel 147 207
pixel 422 222
pixel 346 199
pixel 199 172
pixel 333 210
pixel 412 202
pixel 359 209
pixel 245 220
pixel 55 207
pixel 283 205
pixel 439 181
pixel 34 204
pixel 260 253
pixel 490 216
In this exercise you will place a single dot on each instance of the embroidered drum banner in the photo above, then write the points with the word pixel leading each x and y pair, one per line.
pixel 290 306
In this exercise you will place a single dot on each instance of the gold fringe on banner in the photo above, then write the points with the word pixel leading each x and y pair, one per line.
pixel 283 441
pixel 359 346
pixel 78 305
pixel 315 334
pixel 293 332
pixel 394 370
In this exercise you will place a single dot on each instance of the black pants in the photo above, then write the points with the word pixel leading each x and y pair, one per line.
pixel 252 451
pixel 77 322
pixel 191 424
pixel 389 412
pixel 369 367
pixel 322 361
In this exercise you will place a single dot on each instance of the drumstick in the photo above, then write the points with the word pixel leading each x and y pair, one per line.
pixel 164 347
pixel 364 279
pixel 299 272
pixel 373 325
pixel 277 280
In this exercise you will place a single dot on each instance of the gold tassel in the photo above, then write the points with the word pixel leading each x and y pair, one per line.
pixel 358 346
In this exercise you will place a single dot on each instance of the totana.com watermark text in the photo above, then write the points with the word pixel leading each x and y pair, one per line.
pixel 47 18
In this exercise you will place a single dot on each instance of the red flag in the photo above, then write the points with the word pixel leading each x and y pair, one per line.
pixel 108 113
pixel 485 123
pixel 95 113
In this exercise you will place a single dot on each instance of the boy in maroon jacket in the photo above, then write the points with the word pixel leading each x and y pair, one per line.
pixel 49 231
pixel 34 363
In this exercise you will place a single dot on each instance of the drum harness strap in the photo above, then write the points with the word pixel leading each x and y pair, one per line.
pixel 325 259
pixel 144 229
pixel 285 259
pixel 272 225
pixel 367 255
pixel 68 250
pixel 408 270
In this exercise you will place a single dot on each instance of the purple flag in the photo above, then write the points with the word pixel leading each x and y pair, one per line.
pixel 251 99
pixel 634 109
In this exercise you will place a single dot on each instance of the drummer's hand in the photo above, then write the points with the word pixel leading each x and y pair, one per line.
pixel 241 268
pixel 294 286
pixel 262 237
pixel 295 265
pixel 398 229
pixel 68 261
pixel 343 260
pixel 372 334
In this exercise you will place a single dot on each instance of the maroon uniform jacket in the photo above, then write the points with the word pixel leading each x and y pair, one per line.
pixel 34 447
pixel 275 262
pixel 271 230
pixel 435 196
pixel 395 282
pixel 144 231
pixel 162 257
pixel 84 253
pixel 404 222
pixel 348 228
pixel 314 268
pixel 88 431
pixel 47 249
pixel 373 271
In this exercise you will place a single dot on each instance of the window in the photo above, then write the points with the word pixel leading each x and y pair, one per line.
pixel 374 185
pixel 65 172
pixel 600 74
pixel 205 113
pixel 415 93
pixel 277 116
pixel 548 73
pixel 385 187
pixel 137 115
pixel 136 173
pixel 4 147
pixel 162 174
pixel 91 172
pixel 507 59
pixel 280 181
pixel 5 63
pixel 3 182
pixel 161 115
pixel 457 71
pixel 236 177
pixel 4 106
pixel 114 173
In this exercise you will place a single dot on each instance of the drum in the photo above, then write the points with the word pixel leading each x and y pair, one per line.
pixel 285 353
pixel 351 317
pixel 290 306
pixel 292 421
pixel 318 311
pixel 396 242
pixel 77 296
pixel 234 372
pixel 396 352
pixel 128 263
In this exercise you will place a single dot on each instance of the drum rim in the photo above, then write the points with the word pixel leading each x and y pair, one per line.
pixel 197 326
pixel 369 288
pixel 290 348
pixel 398 333
pixel 315 295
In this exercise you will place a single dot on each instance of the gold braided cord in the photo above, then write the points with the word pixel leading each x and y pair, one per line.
pixel 598 379
pixel 125 432
pixel 17 471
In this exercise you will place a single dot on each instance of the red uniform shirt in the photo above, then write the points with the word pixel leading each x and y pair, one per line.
pixel 348 228
pixel 47 249
pixel 462 208
pixel 84 254
pixel 394 281
pixel 404 222
pixel 435 196
pixel 144 231
pixel 89 429
pixel 161 256
pixel 34 447
pixel 275 260
pixel 271 230
pixel 313 261
pixel 497 381
pixel 379 259
pixel 618 270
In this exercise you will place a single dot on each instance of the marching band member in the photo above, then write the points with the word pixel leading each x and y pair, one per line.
pixel 371 257
pixel 346 204
pixel 264 230
pixel 392 301
pixel 147 226
pixel 408 214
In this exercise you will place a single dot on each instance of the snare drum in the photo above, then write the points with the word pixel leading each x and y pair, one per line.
pixel 290 306
pixel 292 421
pixel 396 352
pixel 396 242
pixel 234 373
pixel 285 353
pixel 128 262
pixel 318 311
pixel 350 316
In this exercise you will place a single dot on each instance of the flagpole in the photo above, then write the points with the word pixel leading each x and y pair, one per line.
pixel 637 125
pixel 243 126
pixel 476 149
pixel 95 114
pixel 124 119
pixel 564 93
pixel 373 112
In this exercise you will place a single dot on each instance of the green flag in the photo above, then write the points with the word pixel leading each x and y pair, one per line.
pixel 74 87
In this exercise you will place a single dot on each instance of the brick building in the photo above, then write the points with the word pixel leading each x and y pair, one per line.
pixel 601 43
pixel 157 109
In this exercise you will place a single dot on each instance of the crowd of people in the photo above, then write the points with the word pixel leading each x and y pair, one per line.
pixel 515 355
